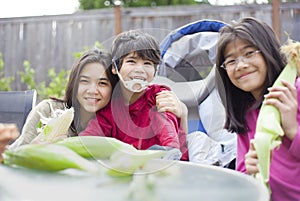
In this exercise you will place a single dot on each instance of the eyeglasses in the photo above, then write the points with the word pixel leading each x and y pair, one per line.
pixel 231 64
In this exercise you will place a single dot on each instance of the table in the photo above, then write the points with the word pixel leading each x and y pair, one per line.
pixel 159 181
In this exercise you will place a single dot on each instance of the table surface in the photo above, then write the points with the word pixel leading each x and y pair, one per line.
pixel 158 181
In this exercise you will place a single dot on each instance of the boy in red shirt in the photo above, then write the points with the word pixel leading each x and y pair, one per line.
pixel 132 116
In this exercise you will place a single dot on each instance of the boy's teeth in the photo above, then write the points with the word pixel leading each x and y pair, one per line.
pixel 137 78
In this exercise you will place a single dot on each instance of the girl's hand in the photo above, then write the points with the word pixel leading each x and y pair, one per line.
pixel 8 132
pixel 285 99
pixel 251 160
pixel 168 101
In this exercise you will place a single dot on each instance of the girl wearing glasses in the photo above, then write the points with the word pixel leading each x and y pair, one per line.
pixel 249 61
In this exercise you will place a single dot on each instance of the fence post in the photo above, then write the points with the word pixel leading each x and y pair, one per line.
pixel 118 18
pixel 276 18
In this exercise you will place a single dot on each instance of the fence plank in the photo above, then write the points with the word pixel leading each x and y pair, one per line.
pixel 50 41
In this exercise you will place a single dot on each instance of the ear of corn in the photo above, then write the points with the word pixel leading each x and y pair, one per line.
pixel 48 157
pixel 124 159
pixel 127 163
pixel 56 127
pixel 268 128
pixel 95 146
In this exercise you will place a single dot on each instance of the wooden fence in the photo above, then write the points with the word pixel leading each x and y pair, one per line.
pixel 51 41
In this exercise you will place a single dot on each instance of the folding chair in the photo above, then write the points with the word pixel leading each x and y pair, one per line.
pixel 187 67
pixel 16 105
pixel 188 57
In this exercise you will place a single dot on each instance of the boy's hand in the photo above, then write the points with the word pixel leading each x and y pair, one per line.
pixel 171 153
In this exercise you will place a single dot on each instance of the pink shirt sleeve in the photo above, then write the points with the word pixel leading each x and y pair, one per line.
pixel 243 140
pixel 295 146
pixel 242 149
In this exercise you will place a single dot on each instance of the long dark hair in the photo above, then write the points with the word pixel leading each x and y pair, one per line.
pixel 92 56
pixel 235 100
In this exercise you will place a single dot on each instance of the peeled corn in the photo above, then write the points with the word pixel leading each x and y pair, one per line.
pixel 48 157
pixel 127 163
pixel 95 146
pixel 56 127
pixel 268 129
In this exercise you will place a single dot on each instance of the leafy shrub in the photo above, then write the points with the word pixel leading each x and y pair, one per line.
pixel 27 77
pixel 56 87
pixel 5 81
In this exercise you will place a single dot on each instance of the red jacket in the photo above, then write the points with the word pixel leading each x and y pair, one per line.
pixel 139 123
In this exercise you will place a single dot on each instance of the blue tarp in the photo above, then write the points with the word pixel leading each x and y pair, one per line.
pixel 198 26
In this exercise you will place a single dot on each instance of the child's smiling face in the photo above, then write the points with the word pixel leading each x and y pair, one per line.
pixel 135 72
pixel 134 67
pixel 94 88
pixel 247 75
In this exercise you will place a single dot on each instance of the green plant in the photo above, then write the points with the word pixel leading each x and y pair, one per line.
pixel 27 77
pixel 5 81
pixel 58 80
pixel 56 87
pixel 96 4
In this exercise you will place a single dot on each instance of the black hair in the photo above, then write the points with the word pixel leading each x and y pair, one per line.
pixel 235 100
pixel 141 43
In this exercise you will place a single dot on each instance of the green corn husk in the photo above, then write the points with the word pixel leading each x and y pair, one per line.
pixel 95 146
pixel 122 159
pixel 268 129
pixel 47 157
